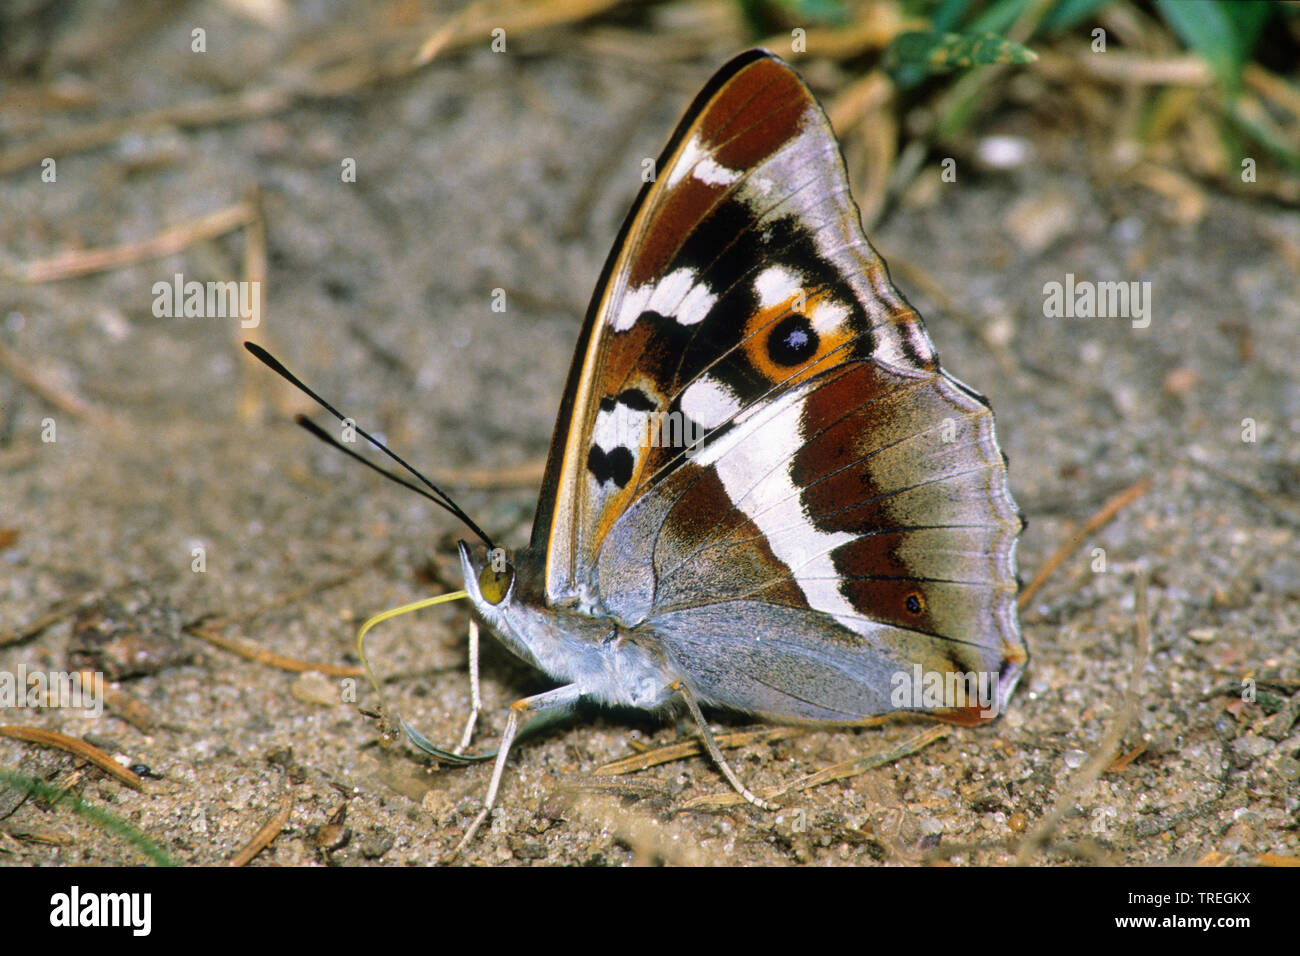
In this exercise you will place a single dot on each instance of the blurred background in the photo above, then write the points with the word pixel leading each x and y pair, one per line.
pixel 386 173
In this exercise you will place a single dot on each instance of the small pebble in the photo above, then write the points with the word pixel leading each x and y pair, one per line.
pixel 314 687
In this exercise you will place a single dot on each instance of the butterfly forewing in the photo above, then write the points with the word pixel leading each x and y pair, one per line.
pixel 741 269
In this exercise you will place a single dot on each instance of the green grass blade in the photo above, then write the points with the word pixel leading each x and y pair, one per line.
pixel 101 818
pixel 1223 35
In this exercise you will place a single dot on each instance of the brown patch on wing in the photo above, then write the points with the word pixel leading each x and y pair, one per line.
pixel 628 354
pixel 891 601
pixel 694 547
pixel 757 111
pixel 679 211
pixel 763 104
pixel 865 408
pixel 971 715
pixel 702 513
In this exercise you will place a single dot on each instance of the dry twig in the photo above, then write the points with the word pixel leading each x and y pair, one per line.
pixel 78 748
pixel 263 837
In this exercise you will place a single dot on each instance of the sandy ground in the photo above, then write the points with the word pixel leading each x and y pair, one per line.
pixel 512 171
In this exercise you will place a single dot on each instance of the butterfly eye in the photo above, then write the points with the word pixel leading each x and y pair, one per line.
pixel 493 584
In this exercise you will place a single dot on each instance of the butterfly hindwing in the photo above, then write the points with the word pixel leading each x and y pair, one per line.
pixel 856 526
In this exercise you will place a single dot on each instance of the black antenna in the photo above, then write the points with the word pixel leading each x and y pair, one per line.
pixel 439 497
pixel 333 442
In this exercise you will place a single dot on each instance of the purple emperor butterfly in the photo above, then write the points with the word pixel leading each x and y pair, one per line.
pixel 763 493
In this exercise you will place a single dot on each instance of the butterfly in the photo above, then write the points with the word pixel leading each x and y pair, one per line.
pixel 764 494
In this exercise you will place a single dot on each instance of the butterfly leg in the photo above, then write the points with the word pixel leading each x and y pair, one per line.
pixel 562 699
pixel 476 702
pixel 712 747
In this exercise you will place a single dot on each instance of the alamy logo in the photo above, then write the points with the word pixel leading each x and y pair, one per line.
pixel 920 689
pixel 1098 300
pixel 208 300
pixel 78 690
pixel 134 910
pixel 673 430
pixel 634 428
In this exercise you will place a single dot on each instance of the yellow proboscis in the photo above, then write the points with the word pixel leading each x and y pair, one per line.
pixel 394 612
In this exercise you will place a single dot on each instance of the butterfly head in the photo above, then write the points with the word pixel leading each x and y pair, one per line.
pixel 503 588
pixel 489 577
pixel 498 583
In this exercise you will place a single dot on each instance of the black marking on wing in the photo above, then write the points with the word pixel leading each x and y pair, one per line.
pixel 614 466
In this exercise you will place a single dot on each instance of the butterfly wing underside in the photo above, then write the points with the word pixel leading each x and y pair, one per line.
pixel 758 455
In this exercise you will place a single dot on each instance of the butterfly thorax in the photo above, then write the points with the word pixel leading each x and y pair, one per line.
pixel 608 661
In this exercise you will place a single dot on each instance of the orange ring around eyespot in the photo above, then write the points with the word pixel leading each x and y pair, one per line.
pixel 761 324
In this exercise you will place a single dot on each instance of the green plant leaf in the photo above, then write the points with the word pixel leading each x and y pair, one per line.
pixel 939 52
pixel 1222 34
